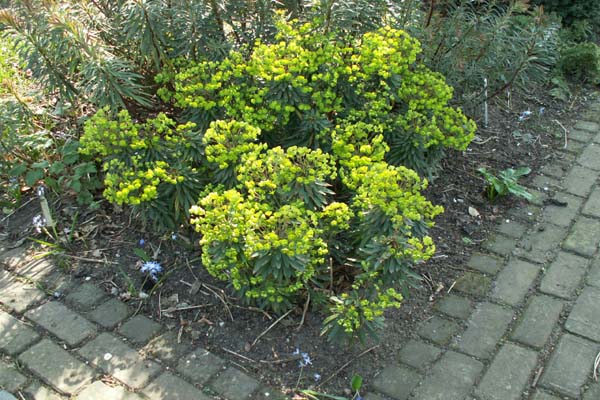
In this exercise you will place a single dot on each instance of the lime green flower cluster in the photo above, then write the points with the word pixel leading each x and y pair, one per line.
pixel 306 82
pixel 271 231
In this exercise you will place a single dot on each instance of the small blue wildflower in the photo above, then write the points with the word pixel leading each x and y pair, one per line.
pixel 153 269
pixel 542 110
pixel 39 222
pixel 358 397
pixel 317 377
pixel 173 236
pixel 142 242
pixel 524 115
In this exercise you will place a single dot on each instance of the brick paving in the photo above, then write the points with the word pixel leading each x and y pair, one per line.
pixel 523 322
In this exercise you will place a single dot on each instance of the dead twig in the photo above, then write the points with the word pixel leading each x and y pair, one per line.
pixel 566 132
pixel 270 327
pixel 92 260
pixel 451 286
pixel 281 360
pixel 340 369
pixel 173 309
pixel 238 355
pixel 304 311
pixel 596 365
pixel 537 377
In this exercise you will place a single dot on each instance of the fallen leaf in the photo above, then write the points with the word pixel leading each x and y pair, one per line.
pixel 473 212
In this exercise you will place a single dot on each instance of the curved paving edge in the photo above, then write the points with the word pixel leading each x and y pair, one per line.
pixel 69 347
pixel 523 322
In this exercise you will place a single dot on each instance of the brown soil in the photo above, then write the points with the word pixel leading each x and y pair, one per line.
pixel 229 329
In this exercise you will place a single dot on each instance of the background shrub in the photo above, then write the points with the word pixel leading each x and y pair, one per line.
pixel 581 61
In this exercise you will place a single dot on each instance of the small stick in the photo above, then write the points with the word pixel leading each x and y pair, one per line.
pixel 270 327
pixel 185 283
pixel 340 369
pixel 173 309
pixel 280 361
pixel 537 377
pixel 596 365
pixel 238 355
pixel 91 260
pixel 564 129
pixel 304 311
pixel 159 306
pixel 452 286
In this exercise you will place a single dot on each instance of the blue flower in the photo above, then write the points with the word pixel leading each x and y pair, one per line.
pixel 39 222
pixel 173 236
pixel 142 242
pixel 153 269
pixel 317 377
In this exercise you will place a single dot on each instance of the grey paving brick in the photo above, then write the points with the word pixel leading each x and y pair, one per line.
pixel 100 391
pixel 592 205
pixel 545 183
pixel 511 228
pixel 579 181
pixel 15 335
pixel 583 238
pixel 396 381
pixel 473 284
pixel 233 384
pixel 114 357
pixel 139 329
pixel 372 396
pixel 451 378
pixel 18 296
pixel 527 212
pixel 437 329
pixel 508 374
pixel 592 392
pixel 169 387
pixel 109 314
pixel 590 157
pixel 37 391
pixel 455 306
pixel 86 296
pixel 544 396
pixel 513 282
pixel 12 258
pixel 485 263
pixel 570 365
pixel 538 197
pixel 540 244
pixel 574 147
pixel 62 322
pixel 500 244
pixel 562 216
pixel 564 275
pixel 4 395
pixel 554 168
pixel 419 354
pixel 485 328
pixel 581 135
pixel 538 321
pixel 267 393
pixel 584 319
pixel 44 358
pixel 200 365
pixel 593 277
pixel 588 126
pixel 11 379
pixel 166 348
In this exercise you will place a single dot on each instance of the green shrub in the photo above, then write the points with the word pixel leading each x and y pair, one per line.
pixel 581 61
pixel 300 88
pixel 279 233
pixel 573 11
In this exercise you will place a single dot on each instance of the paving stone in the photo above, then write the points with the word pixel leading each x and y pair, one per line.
pixel 527 212
pixel 166 348
pixel 485 328
pixel 593 277
pixel 575 147
pixel 592 116
pixel 437 329
pixel 562 216
pixel 114 357
pixel 583 238
pixel 39 392
pixel 4 395
pixel 44 358
pixel 15 335
pixel 419 354
pixel 581 135
pixel 592 392
pixel 545 183
pixel 538 321
pixel 499 244
pixel 513 282
pixel 100 391
pixel 109 314
pixel 473 284
pixel 169 387
pixel 544 396
pixel 584 319
pixel 592 205
pixel 511 228
pixel 579 181
pixel 266 393
pixel 538 197
pixel 233 384
pixel 372 396
pixel 455 306
pixel 451 378
pixel 564 275
pixel 86 296
pixel 485 263
pixel 587 126
pixel 12 258
pixel 508 374
pixel 17 296
pixel 11 379
pixel 541 244
pixel 200 365
pixel 570 365
pixel 396 382
pixel 554 169
pixel 62 322
pixel 140 329
pixel 590 157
